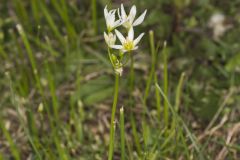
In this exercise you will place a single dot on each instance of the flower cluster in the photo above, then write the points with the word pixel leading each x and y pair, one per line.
pixel 128 43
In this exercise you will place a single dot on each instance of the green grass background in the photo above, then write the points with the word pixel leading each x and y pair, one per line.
pixel 56 82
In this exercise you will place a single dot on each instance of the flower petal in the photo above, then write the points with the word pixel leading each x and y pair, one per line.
pixel 117 46
pixel 117 23
pixel 105 12
pixel 120 36
pixel 123 13
pixel 137 40
pixel 136 47
pixel 132 14
pixel 131 34
pixel 106 37
pixel 113 15
pixel 140 19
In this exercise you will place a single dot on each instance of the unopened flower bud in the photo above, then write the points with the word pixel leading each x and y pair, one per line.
pixel 110 38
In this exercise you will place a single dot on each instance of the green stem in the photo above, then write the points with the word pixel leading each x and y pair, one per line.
pixel 131 73
pixel 158 97
pixel 22 122
pixel 31 57
pixel 151 75
pixel 165 59
pixel 135 133
pixel 133 123
pixel 122 133
pixel 110 56
pixel 112 127
pixel 94 15
pixel 152 46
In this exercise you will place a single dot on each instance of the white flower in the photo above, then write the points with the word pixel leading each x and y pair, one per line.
pixel 218 25
pixel 128 20
pixel 110 38
pixel 110 19
pixel 216 19
pixel 128 43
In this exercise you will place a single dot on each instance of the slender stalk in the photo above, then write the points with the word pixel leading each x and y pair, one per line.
pixel 51 22
pixel 135 133
pixel 122 133
pixel 35 11
pixel 180 121
pixel 112 127
pixel 61 8
pixel 165 59
pixel 158 97
pixel 131 73
pixel 152 72
pixel 1 156
pixel 174 127
pixel 130 150
pixel 179 92
pixel 31 57
pixel 94 15
pixel 153 55
pixel 217 114
pixel 52 88
pixel 22 13
pixel 133 123
pixel 148 85
pixel 22 122
pixel 12 146
pixel 110 57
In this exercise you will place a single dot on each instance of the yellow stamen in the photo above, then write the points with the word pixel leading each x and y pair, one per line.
pixel 128 45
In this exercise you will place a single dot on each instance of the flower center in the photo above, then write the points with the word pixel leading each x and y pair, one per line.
pixel 109 28
pixel 128 45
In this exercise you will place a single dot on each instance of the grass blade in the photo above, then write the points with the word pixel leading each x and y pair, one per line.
pixel 94 15
pixel 180 120
pixel 122 130
pixel 12 145
pixel 165 81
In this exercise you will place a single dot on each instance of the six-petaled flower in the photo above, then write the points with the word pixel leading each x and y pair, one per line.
pixel 128 43
pixel 110 19
pixel 128 20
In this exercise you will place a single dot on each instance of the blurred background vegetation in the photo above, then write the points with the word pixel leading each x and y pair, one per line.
pixel 57 83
